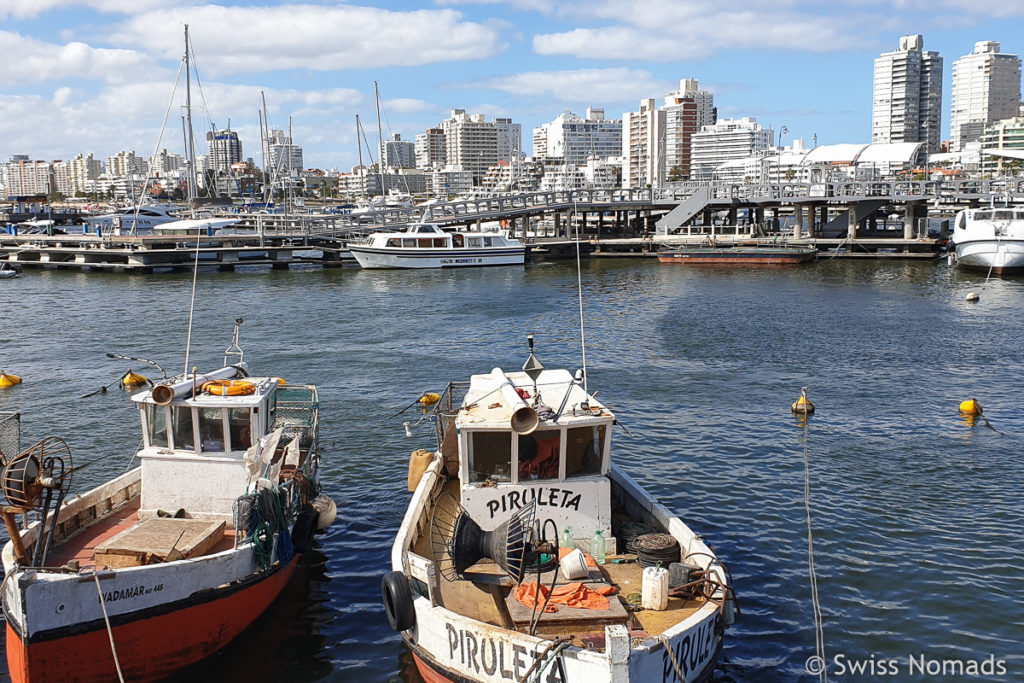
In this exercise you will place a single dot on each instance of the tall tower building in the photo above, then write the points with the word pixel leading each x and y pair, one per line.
pixel 431 149
pixel 398 153
pixel 225 149
pixel 986 89
pixel 642 132
pixel 687 110
pixel 470 143
pixel 570 139
pixel 283 155
pixel 907 97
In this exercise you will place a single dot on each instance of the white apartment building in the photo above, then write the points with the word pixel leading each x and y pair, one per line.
pixel 571 139
pixel 283 156
pixel 724 141
pixel 25 178
pixel 163 162
pixel 642 132
pixel 430 149
pixel 82 171
pixel 125 163
pixel 686 112
pixel 510 140
pixel 907 95
pixel 471 143
pixel 986 88
pixel 1005 134
pixel 61 177
pixel 225 149
pixel 451 181
pixel 398 153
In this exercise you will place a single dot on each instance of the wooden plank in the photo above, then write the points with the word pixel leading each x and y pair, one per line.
pixel 569 616
pixel 159 540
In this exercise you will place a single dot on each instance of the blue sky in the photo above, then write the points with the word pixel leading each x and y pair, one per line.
pixel 83 76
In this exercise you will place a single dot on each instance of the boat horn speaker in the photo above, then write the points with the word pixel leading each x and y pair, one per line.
pixel 162 394
pixel 458 542
pixel 524 420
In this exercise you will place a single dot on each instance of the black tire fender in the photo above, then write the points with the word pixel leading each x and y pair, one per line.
pixel 304 528
pixel 397 598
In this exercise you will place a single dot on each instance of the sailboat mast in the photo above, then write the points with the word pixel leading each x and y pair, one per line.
pixel 380 140
pixel 191 151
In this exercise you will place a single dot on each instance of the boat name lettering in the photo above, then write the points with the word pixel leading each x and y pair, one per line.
pixel 545 495
pixel 131 592
pixel 487 654
pixel 692 651
pixel 460 261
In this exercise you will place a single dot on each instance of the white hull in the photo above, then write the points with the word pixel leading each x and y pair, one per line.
pixel 990 239
pixel 377 257
pixel 999 255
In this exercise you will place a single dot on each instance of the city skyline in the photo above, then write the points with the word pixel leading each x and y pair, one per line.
pixel 87 80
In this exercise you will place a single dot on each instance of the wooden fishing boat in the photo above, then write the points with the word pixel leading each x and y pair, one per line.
pixel 160 567
pixel 735 255
pixel 520 456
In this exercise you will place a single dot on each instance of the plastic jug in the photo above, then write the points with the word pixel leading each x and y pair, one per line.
pixel 566 540
pixel 597 547
pixel 654 590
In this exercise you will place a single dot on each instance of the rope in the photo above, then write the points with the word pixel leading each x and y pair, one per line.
pixel 544 659
pixel 819 635
pixel 663 639
pixel 110 631
pixel 192 306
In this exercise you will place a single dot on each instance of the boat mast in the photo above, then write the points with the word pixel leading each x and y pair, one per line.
pixel 380 142
pixel 191 146
pixel 359 146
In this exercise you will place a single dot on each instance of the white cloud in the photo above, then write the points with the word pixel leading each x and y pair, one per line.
pixel 34 60
pixel 582 85
pixel 25 9
pixel 253 39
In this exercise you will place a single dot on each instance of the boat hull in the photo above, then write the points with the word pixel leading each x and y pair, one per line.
pixel 150 643
pixel 1001 256
pixel 383 258
pixel 691 257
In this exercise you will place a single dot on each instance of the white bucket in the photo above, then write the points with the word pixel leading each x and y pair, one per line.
pixel 654 594
pixel 574 566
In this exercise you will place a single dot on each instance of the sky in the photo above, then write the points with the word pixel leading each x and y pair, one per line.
pixel 98 76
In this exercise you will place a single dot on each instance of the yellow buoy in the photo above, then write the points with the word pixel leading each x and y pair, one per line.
pixel 970 407
pixel 132 379
pixel 8 380
pixel 280 381
pixel 803 405
pixel 429 399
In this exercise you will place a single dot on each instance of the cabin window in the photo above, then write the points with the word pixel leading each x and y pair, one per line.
pixel 457 241
pixel 490 456
pixel 488 242
pixel 539 454
pixel 211 429
pixel 156 424
pixel 983 216
pixel 409 242
pixel 239 428
pixel 584 449
pixel 440 242
pixel 394 241
pixel 425 242
pixel 184 432
pixel 1004 215
pixel 474 242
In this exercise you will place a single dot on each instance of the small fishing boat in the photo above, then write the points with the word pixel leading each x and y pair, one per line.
pixel 426 245
pixel 989 239
pixel 523 471
pixel 737 255
pixel 7 270
pixel 161 567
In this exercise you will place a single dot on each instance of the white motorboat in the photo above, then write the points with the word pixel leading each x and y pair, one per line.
pixel 989 239
pixel 478 545
pixel 425 245
pixel 164 565
pixel 7 270
pixel 132 220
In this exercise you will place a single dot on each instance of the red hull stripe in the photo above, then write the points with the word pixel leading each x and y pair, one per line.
pixel 150 646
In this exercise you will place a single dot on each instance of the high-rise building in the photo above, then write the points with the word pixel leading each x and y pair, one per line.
pixel 687 110
pixel 986 88
pixel 25 178
pixel 82 171
pixel 283 156
pixel 1005 134
pixel 225 149
pixel 471 143
pixel 907 95
pixel 164 162
pixel 125 163
pixel 398 153
pixel 642 132
pixel 430 149
pixel 726 140
pixel 571 139
pixel 510 139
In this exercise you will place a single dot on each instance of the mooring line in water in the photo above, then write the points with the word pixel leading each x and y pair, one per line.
pixel 106 619
pixel 819 634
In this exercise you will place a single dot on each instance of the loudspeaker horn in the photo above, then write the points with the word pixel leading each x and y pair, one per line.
pixel 524 420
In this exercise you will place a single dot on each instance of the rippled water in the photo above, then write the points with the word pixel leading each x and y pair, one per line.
pixel 917 515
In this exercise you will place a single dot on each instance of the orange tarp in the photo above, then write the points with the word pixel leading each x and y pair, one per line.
pixel 574 595
pixel 562 552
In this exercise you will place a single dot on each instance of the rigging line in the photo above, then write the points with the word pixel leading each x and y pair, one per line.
pixel 819 635
pixel 106 620
pixel 579 289
pixel 159 141
pixel 192 305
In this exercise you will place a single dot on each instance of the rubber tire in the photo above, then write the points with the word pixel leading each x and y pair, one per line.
pixel 397 596
pixel 304 528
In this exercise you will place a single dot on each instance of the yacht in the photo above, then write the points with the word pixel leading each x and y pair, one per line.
pixel 991 239
pixel 126 221
pixel 426 245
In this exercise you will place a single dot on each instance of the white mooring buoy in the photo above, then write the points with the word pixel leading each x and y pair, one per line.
pixel 972 296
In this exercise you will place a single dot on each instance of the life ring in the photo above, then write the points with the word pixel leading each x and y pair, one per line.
pixel 398 605
pixel 229 387
pixel 304 528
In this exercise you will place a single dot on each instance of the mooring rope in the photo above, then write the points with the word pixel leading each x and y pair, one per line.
pixel 192 304
pixel 671 655
pixel 819 634
pixel 110 631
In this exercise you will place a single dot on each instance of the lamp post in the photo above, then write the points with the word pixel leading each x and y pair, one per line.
pixel 778 171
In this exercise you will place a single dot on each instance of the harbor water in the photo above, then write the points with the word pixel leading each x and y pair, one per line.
pixel 917 514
